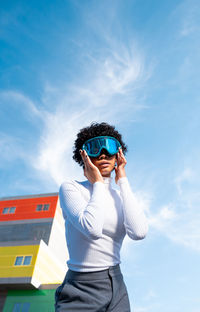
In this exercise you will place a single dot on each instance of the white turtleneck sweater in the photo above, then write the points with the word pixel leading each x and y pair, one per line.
pixel 97 218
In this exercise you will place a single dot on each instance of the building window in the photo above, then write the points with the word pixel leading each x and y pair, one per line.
pixel 25 307
pixel 19 260
pixel 27 260
pixel 23 260
pixel 12 209
pixel 21 307
pixel 16 307
pixel 5 210
pixel 46 207
pixel 8 210
pixel 39 208
pixel 43 207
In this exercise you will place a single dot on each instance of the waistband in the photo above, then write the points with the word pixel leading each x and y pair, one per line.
pixel 97 275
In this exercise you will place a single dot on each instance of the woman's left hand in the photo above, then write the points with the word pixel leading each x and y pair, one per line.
pixel 120 168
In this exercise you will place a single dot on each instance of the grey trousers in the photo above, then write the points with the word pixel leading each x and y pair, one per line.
pixel 102 291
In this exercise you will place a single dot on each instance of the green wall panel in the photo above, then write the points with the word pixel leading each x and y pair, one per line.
pixel 40 300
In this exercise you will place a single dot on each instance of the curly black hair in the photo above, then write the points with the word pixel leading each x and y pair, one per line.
pixel 94 130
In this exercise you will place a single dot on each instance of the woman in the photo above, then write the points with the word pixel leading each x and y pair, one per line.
pixel 97 218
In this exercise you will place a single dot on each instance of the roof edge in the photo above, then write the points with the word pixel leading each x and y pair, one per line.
pixel 29 196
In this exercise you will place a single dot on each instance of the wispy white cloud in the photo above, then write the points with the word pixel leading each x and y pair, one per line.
pixel 188 15
pixel 105 90
pixel 185 177
pixel 13 98
pixel 190 23
pixel 14 144
pixel 179 220
pixel 10 149
pixel 97 98
pixel 118 74
pixel 149 303
pixel 163 218
pixel 151 294
pixel 110 79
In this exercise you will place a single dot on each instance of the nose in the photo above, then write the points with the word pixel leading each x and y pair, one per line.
pixel 102 156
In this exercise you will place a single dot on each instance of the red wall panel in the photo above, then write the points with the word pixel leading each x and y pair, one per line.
pixel 26 208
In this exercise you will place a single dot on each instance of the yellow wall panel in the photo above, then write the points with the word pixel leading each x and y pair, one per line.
pixel 7 260
pixel 45 267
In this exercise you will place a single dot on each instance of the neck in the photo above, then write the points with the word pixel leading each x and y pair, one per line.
pixel 108 175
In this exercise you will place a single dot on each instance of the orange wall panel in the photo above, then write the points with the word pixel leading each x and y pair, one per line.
pixel 26 208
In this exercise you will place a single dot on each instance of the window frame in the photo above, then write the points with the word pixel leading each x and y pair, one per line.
pixel 16 307
pixel 42 207
pixel 21 307
pixel 46 207
pixel 24 307
pixel 8 210
pixel 5 210
pixel 23 260
pixel 39 207
pixel 31 257
pixel 17 258
pixel 11 208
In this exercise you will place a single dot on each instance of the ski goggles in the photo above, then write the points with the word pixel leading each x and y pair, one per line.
pixel 94 146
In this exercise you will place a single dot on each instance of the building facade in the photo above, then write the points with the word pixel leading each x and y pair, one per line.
pixel 33 252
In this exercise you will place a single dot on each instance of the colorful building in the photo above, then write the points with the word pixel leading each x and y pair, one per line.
pixel 33 252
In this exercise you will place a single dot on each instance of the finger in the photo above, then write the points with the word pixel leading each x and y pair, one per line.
pixel 121 160
pixel 122 154
pixel 88 162
pixel 87 158
pixel 118 158
pixel 85 161
pixel 83 156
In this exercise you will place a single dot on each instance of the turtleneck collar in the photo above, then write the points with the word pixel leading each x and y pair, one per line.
pixel 107 181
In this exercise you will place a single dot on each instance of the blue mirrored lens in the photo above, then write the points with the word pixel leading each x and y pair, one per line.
pixel 94 146
pixel 111 146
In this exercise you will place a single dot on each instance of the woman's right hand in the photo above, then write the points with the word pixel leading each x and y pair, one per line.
pixel 91 172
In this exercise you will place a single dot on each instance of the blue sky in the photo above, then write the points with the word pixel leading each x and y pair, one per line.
pixel 135 64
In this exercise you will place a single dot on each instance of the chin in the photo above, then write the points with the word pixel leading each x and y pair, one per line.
pixel 106 173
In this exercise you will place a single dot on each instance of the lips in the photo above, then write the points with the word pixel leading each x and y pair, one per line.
pixel 104 164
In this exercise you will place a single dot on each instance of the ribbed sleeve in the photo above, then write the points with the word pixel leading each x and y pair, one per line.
pixel 135 221
pixel 87 217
